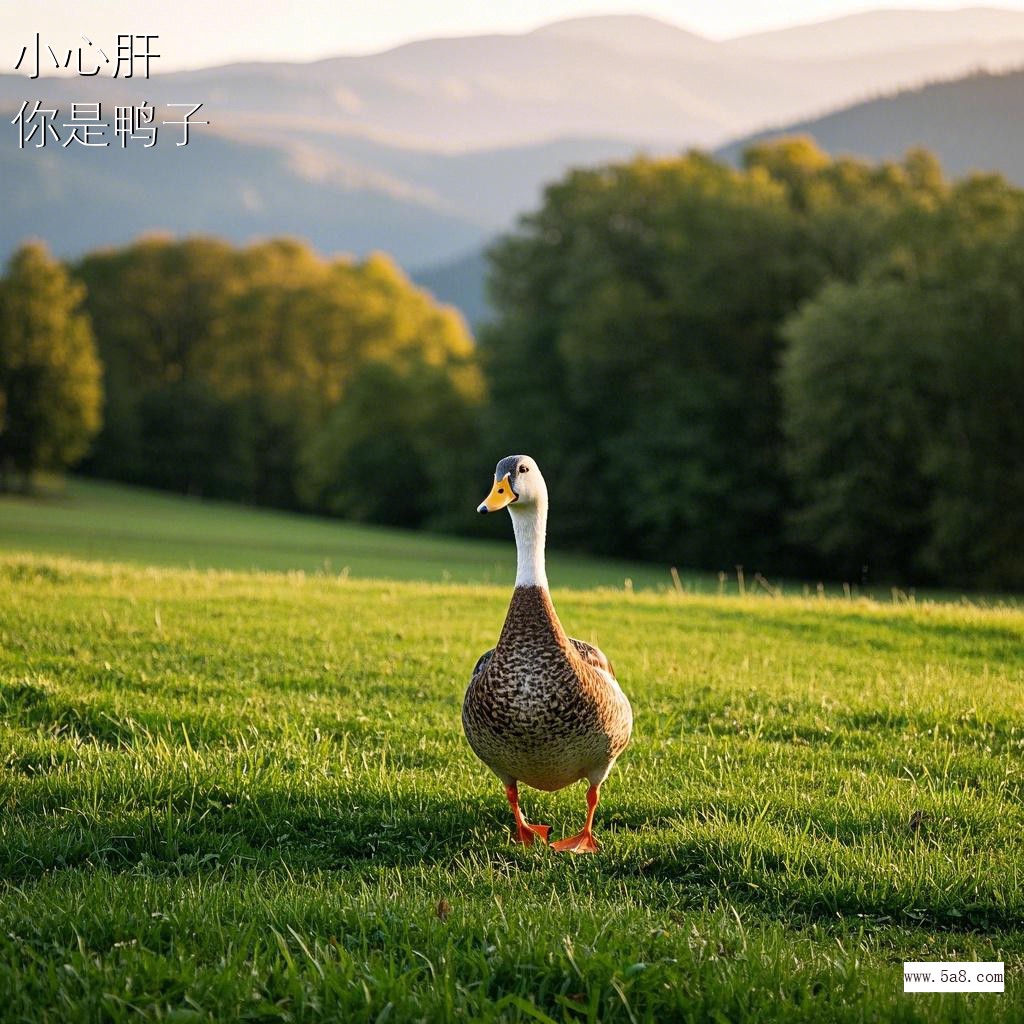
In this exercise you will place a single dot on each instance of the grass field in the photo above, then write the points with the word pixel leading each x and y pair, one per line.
pixel 95 520
pixel 246 796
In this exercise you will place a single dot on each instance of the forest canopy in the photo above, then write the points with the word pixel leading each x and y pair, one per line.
pixel 804 365
pixel 238 373
pixel 50 390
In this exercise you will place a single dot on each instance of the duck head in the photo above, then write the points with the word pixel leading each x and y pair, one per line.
pixel 518 485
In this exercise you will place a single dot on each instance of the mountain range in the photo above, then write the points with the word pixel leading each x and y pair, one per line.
pixel 970 124
pixel 429 149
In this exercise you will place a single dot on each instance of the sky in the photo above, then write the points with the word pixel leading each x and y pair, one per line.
pixel 197 33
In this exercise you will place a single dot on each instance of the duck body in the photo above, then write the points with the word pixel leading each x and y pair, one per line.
pixel 541 707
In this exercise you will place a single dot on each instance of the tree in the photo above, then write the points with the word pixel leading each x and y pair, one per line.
pixel 50 388
pixel 225 364
pixel 902 402
pixel 858 410
pixel 158 310
pixel 389 453
pixel 637 339
pixel 974 456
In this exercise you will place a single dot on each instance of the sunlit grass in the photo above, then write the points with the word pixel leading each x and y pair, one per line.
pixel 103 521
pixel 96 520
pixel 231 796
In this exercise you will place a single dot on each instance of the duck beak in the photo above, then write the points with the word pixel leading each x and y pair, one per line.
pixel 500 496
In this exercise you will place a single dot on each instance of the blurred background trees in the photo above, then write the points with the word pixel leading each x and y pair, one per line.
pixel 226 368
pixel 640 331
pixel 804 365
pixel 50 394
pixel 903 407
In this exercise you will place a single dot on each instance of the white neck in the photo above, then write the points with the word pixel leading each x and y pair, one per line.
pixel 530 525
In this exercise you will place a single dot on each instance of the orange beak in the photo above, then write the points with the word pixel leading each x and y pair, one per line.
pixel 500 496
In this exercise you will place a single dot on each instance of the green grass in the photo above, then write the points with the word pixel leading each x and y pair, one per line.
pixel 95 520
pixel 240 796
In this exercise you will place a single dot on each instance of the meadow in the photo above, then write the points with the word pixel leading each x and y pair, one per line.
pixel 245 795
pixel 97 520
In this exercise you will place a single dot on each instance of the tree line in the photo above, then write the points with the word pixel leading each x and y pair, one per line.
pixel 263 374
pixel 804 365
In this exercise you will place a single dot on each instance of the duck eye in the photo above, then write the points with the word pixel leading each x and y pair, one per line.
pixel 524 469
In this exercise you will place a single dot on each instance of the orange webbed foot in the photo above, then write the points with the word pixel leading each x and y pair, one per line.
pixel 527 833
pixel 582 843
pixel 524 832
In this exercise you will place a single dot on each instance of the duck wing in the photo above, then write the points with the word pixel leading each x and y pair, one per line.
pixel 481 663
pixel 590 654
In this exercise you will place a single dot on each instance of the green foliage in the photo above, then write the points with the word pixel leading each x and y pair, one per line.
pixel 858 413
pixel 158 308
pixel 248 797
pixel 227 367
pixel 774 366
pixel 903 402
pixel 191 441
pixel 50 390
pixel 638 338
pixel 388 451
pixel 975 455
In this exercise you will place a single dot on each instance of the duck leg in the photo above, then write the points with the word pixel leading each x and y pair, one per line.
pixel 524 830
pixel 584 842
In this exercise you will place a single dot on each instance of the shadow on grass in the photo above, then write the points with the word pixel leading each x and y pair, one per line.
pixel 357 832
pixel 180 827
pixel 722 872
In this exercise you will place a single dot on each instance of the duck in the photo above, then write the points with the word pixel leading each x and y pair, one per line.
pixel 542 708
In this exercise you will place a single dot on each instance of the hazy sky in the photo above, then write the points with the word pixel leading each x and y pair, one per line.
pixel 199 32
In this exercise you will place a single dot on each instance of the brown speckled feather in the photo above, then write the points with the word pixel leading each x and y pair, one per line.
pixel 543 708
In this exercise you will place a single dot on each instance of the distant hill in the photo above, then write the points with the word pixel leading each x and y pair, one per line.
pixel 79 199
pixel 885 31
pixel 430 149
pixel 630 78
pixel 972 124
pixel 342 194
pixel 461 283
